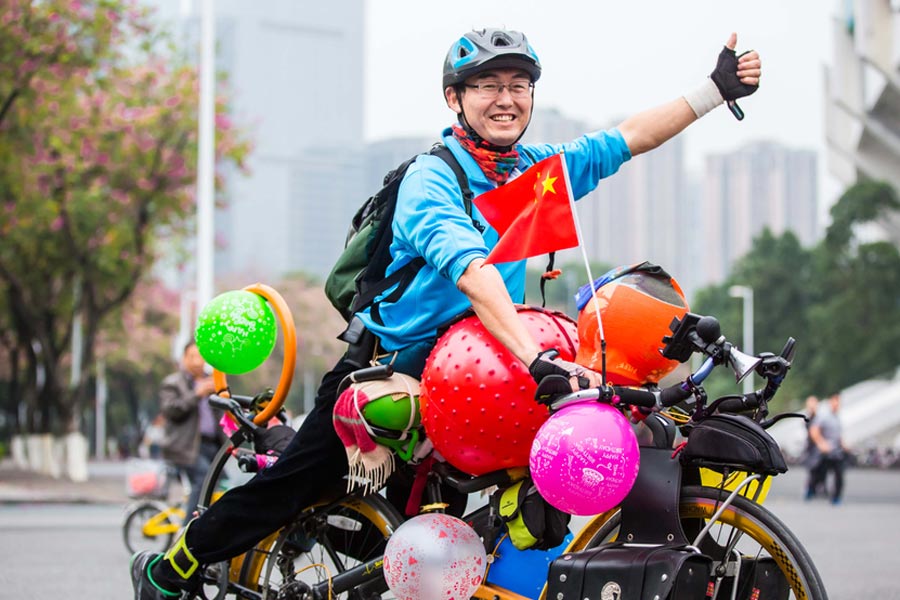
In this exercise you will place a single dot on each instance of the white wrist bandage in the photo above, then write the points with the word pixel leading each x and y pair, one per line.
pixel 704 98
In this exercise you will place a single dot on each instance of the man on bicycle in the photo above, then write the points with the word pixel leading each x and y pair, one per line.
pixel 488 82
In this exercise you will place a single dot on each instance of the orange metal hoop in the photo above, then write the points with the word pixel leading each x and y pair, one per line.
pixel 286 320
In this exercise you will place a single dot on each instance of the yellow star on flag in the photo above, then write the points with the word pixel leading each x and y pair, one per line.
pixel 548 184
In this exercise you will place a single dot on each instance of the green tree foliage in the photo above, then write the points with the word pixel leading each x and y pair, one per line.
pixel 136 345
pixel 840 299
pixel 778 269
pixel 97 161
pixel 855 320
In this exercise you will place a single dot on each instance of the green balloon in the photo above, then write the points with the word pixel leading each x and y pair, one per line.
pixel 236 332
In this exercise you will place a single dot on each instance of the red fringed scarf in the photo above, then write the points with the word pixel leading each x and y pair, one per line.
pixel 370 464
pixel 497 166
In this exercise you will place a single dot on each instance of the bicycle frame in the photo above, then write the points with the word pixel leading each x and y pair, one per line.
pixel 162 523
pixel 656 491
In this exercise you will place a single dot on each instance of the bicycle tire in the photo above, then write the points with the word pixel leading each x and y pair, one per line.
pixel 340 536
pixel 136 540
pixel 223 473
pixel 769 536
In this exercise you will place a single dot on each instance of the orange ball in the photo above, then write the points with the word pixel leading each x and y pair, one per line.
pixel 477 399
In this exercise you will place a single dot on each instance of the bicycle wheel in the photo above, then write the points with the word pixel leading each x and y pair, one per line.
pixel 326 540
pixel 744 529
pixel 224 473
pixel 149 525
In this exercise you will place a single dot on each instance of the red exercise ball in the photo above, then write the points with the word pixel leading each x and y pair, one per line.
pixel 477 399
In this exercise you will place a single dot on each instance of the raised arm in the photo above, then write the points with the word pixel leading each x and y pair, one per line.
pixel 734 77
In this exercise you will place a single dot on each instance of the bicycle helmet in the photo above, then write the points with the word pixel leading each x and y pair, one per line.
pixel 392 416
pixel 484 49
pixel 636 303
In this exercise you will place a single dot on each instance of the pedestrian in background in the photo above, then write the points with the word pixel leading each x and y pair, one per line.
pixel 192 435
pixel 825 431
pixel 811 455
pixel 154 434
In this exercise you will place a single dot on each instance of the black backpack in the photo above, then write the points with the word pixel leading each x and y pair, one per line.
pixel 357 277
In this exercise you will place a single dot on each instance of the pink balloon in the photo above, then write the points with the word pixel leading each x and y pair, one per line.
pixel 434 556
pixel 585 458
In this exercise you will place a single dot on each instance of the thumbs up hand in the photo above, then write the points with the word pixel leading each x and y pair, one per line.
pixel 736 76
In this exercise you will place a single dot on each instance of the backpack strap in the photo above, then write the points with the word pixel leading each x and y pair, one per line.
pixel 443 152
pixel 405 274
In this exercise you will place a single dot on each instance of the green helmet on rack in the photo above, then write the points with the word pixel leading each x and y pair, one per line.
pixel 394 419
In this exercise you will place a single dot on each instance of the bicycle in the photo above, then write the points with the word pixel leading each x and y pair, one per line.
pixel 150 523
pixel 335 549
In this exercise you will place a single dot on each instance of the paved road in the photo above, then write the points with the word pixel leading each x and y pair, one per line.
pixel 74 551
pixel 856 545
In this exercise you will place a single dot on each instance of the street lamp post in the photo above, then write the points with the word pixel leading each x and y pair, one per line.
pixel 746 295
pixel 206 155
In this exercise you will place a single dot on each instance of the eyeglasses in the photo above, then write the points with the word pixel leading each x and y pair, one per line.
pixel 492 89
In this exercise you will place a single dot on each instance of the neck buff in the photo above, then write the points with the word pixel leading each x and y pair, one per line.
pixel 496 165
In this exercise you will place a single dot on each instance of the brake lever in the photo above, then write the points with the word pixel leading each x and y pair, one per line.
pixel 769 422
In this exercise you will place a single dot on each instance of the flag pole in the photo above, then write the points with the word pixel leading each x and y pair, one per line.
pixel 587 267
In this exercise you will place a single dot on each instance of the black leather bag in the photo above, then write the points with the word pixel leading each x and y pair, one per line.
pixel 721 442
pixel 625 572
pixel 758 579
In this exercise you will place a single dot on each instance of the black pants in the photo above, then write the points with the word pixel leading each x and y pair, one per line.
pixel 834 464
pixel 819 475
pixel 314 462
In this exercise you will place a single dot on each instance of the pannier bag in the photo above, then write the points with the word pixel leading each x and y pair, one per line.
pixel 732 441
pixel 531 521
pixel 644 572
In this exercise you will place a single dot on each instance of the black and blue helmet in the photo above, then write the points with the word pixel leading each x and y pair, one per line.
pixel 485 49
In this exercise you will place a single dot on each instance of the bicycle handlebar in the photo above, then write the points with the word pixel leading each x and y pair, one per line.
pixel 235 406
pixel 627 395
pixel 690 334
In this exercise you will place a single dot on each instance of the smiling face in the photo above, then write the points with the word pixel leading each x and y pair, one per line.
pixel 500 118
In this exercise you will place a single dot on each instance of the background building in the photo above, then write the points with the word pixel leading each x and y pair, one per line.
pixel 311 168
pixel 763 184
pixel 297 78
pixel 862 92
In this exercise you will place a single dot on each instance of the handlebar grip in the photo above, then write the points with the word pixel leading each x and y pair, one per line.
pixel 670 396
pixel 635 396
pixel 674 394
pixel 222 402
pixel 735 404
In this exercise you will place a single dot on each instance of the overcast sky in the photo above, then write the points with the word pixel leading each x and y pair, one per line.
pixel 603 60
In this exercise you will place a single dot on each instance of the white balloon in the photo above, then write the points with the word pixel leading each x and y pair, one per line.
pixel 434 556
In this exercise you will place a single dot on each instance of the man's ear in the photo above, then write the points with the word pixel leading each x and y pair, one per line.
pixel 451 96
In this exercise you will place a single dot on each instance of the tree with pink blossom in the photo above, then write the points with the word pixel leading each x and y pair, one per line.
pixel 98 153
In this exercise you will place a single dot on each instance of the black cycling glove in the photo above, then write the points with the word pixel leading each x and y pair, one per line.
pixel 548 363
pixel 726 79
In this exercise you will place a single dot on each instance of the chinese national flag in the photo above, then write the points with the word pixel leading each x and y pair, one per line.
pixel 533 213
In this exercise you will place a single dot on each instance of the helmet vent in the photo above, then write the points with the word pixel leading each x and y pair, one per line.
pixel 500 39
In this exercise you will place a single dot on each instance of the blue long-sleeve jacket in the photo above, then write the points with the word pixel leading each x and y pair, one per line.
pixel 431 222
